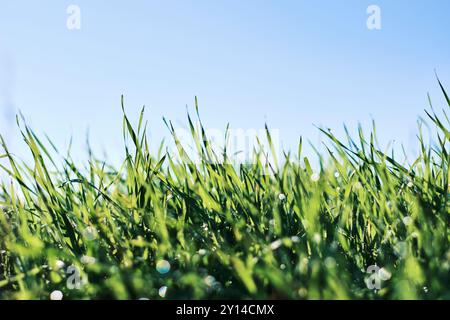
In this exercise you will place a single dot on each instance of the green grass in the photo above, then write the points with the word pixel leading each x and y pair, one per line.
pixel 227 231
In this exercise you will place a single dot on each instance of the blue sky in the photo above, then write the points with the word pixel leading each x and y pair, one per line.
pixel 292 64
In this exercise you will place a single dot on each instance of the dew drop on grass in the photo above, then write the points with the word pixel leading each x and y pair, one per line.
pixel 90 233
pixel 59 264
pixel 162 291
pixel 389 204
pixel 302 292
pixel 330 263
pixel 315 177
pixel 88 260
pixel 209 281
pixel 163 266
pixel 317 238
pixel 407 220
pixel 401 249
pixel 281 197
pixel 56 295
pixel 276 244
pixel 303 266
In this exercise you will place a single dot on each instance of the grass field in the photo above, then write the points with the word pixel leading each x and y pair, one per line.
pixel 361 225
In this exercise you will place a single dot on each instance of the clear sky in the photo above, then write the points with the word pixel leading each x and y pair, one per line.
pixel 292 64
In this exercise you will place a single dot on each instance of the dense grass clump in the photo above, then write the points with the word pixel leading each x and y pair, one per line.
pixel 162 228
